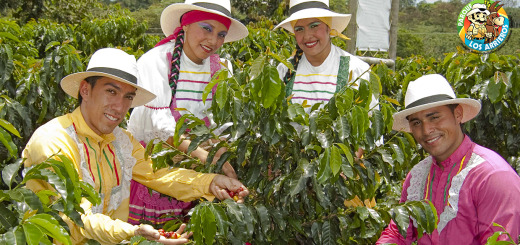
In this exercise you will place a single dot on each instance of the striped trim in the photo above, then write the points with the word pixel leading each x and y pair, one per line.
pixel 165 217
pixel 88 161
pixel 312 91
pixel 97 163
pixel 310 75
pixel 326 83
pixel 156 108
pixel 154 221
pixel 306 98
pixel 163 211
pixel 196 72
pixel 106 158
pixel 140 213
pixel 88 155
pixel 114 162
pixel 190 99
pixel 190 91
pixel 191 81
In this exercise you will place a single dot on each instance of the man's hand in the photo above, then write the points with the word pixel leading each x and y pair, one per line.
pixel 229 171
pixel 221 184
pixel 152 234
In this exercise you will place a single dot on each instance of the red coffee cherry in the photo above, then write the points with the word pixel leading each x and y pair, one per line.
pixel 161 232
pixel 231 193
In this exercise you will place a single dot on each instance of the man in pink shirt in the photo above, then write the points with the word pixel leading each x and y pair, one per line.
pixel 470 186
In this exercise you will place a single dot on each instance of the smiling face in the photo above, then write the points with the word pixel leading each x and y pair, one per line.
pixel 105 105
pixel 438 130
pixel 479 17
pixel 203 39
pixel 312 36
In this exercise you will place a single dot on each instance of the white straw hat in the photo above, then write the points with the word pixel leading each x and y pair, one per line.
pixel 112 63
pixel 171 16
pixel 478 7
pixel 303 9
pixel 431 91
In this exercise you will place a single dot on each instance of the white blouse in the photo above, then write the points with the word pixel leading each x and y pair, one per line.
pixel 318 83
pixel 155 119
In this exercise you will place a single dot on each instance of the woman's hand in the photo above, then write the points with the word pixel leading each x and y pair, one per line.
pixel 152 234
pixel 222 184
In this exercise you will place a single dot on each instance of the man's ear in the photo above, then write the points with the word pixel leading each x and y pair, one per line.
pixel 84 89
pixel 458 113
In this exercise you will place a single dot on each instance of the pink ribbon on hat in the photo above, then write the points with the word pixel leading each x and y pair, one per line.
pixel 192 17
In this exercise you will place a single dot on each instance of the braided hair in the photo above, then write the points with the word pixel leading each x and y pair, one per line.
pixel 176 62
pixel 294 61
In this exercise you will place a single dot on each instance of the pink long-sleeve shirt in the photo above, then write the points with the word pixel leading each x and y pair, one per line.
pixel 483 191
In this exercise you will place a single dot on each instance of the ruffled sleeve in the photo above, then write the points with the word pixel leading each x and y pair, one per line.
pixel 282 69
pixel 154 120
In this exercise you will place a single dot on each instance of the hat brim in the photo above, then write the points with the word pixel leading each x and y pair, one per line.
pixel 171 19
pixel 339 21
pixel 70 84
pixel 470 108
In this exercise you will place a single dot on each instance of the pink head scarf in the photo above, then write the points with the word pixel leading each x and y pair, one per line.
pixel 192 17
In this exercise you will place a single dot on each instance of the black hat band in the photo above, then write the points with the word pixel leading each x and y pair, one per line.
pixel 214 7
pixel 307 5
pixel 116 72
pixel 429 99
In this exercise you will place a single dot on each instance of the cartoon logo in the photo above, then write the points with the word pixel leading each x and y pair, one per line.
pixel 483 25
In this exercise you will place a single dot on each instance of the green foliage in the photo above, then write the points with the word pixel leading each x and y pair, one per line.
pixel 409 44
pixel 34 218
pixel 254 10
pixel 6 138
pixel 493 240
pixel 299 166
pixel 72 11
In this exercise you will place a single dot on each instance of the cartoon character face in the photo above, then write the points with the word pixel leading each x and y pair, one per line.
pixel 479 17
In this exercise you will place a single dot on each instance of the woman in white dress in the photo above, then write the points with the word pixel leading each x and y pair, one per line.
pixel 177 70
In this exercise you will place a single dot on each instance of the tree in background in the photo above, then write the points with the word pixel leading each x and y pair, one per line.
pixel 67 12
pixel 406 3
pixel 254 10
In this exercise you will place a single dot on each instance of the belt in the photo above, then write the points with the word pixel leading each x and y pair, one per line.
pixel 478 38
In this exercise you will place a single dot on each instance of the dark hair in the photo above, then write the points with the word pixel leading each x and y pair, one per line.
pixel 176 62
pixel 90 80
pixel 294 61
pixel 452 107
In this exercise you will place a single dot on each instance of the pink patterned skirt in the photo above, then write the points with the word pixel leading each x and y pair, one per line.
pixel 154 209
